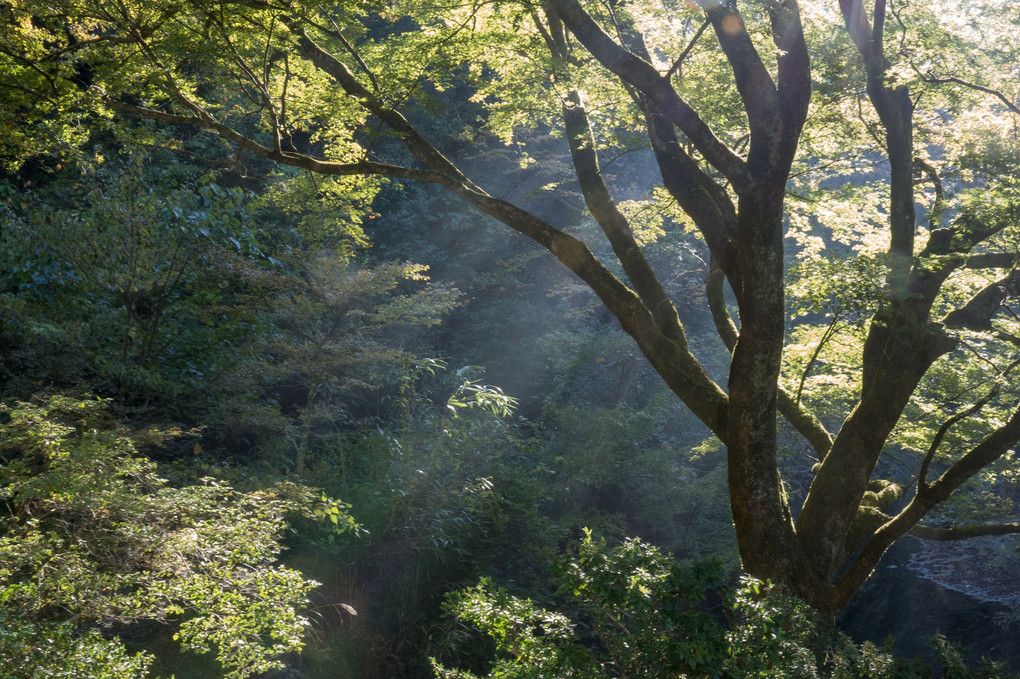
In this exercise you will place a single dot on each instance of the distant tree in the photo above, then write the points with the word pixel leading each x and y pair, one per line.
pixel 332 334
pixel 129 279
pixel 905 105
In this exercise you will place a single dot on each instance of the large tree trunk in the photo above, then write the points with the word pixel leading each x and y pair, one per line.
pixel 761 514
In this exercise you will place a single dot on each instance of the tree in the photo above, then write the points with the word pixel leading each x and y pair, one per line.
pixel 348 91
pixel 132 271
pixel 332 333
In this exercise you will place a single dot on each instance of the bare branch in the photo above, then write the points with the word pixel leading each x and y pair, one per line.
pixel 922 474
pixel 829 333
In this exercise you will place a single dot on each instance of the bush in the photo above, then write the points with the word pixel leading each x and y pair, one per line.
pixel 93 538
pixel 635 612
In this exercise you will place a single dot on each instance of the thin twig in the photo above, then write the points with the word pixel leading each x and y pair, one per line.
pixel 687 50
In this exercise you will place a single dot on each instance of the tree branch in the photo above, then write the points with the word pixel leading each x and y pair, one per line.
pixel 616 227
pixel 977 313
pixel 830 331
pixel 715 294
pixel 775 114
pixel 986 452
pixel 933 176
pixel 687 50
pixel 857 24
pixel 757 91
pixel 991 260
pixel 971 227
pixel 922 474
pixel 931 78
pixel 805 422
pixel 895 110
pixel 794 66
pixel 799 417
pixel 641 75
pixel 669 354
pixel 964 532
pixel 310 163
pixel 702 199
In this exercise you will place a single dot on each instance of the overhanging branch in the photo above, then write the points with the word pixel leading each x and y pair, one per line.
pixel 310 163
pixel 668 353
